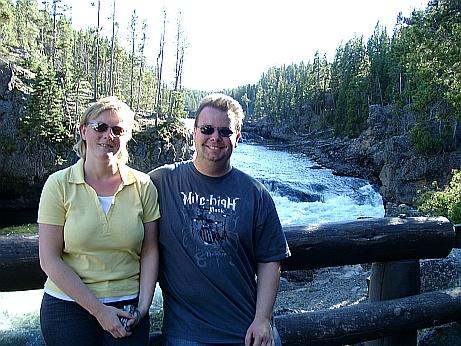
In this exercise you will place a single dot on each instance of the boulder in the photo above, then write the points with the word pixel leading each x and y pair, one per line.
pixel 405 173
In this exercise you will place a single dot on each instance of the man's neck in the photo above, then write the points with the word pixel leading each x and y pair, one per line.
pixel 213 170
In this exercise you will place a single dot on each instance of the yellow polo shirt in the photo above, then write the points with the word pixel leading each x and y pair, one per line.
pixel 103 250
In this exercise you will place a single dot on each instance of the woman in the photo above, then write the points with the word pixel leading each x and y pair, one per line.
pixel 98 238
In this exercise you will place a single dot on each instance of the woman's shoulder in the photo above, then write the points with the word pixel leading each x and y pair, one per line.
pixel 64 173
pixel 137 175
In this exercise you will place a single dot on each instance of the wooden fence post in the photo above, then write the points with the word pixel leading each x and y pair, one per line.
pixel 390 280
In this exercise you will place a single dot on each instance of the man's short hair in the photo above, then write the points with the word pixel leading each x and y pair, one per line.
pixel 226 104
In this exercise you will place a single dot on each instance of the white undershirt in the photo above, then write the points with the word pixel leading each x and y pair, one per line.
pixel 106 202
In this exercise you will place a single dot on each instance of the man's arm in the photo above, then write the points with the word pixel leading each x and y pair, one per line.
pixel 260 330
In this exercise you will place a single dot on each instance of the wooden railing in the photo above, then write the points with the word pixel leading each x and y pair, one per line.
pixel 394 242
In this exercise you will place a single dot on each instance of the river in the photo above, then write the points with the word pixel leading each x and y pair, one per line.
pixel 304 193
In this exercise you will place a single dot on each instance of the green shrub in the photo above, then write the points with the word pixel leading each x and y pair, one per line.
pixel 8 145
pixel 446 202
pixel 44 117
pixel 424 141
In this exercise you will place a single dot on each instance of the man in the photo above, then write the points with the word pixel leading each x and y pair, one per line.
pixel 219 229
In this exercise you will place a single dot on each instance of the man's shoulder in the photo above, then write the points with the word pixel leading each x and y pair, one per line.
pixel 249 183
pixel 169 169
pixel 246 178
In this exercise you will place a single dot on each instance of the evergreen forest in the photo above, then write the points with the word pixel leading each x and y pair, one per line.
pixel 75 67
pixel 416 69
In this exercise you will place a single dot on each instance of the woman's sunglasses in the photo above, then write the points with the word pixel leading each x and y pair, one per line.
pixel 223 131
pixel 117 131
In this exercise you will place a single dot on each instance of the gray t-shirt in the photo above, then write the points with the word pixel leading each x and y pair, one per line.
pixel 212 234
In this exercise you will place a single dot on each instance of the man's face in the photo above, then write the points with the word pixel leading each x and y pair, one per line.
pixel 213 150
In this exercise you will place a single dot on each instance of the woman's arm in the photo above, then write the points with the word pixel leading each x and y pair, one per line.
pixel 51 241
pixel 149 267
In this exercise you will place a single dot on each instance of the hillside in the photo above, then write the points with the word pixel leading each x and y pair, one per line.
pixel 28 159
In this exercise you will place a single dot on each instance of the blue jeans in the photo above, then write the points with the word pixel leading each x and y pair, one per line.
pixel 67 323
pixel 173 341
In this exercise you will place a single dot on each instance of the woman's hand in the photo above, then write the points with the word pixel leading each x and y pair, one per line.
pixel 109 319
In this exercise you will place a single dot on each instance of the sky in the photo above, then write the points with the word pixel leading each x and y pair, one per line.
pixel 233 42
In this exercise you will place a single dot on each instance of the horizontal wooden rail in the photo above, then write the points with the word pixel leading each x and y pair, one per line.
pixel 19 263
pixel 313 246
pixel 368 240
pixel 368 321
pixel 318 246
pixel 362 322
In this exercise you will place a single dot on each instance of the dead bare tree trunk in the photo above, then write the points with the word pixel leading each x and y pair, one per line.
pixel 55 34
pixel 179 54
pixel 134 21
pixel 158 104
pixel 112 44
pixel 96 56
pixel 180 49
pixel 141 64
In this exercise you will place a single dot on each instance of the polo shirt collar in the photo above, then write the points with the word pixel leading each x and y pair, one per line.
pixel 77 175
pixel 127 175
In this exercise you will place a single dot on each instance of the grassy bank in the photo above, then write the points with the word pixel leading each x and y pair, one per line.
pixel 30 228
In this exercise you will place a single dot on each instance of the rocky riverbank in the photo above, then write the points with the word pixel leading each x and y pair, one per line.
pixel 332 288
pixel 383 154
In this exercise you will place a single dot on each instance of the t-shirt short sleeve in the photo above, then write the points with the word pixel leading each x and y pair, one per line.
pixel 51 208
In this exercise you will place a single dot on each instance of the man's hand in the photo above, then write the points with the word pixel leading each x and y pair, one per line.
pixel 135 320
pixel 260 331
pixel 259 334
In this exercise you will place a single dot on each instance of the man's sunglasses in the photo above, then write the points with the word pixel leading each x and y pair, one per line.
pixel 209 130
pixel 117 131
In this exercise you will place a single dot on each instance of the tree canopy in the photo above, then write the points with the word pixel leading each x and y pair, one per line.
pixel 416 68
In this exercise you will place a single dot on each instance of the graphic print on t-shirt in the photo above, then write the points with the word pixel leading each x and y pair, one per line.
pixel 211 234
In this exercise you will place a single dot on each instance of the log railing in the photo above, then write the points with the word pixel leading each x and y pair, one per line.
pixel 379 240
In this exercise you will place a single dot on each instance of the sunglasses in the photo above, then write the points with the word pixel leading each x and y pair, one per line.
pixel 223 131
pixel 117 131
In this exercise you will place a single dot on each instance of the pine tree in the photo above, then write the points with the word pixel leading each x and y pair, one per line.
pixel 44 117
pixel 6 21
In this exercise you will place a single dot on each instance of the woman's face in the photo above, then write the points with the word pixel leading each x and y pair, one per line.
pixel 105 135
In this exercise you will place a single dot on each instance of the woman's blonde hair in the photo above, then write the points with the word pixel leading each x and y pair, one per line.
pixel 109 103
